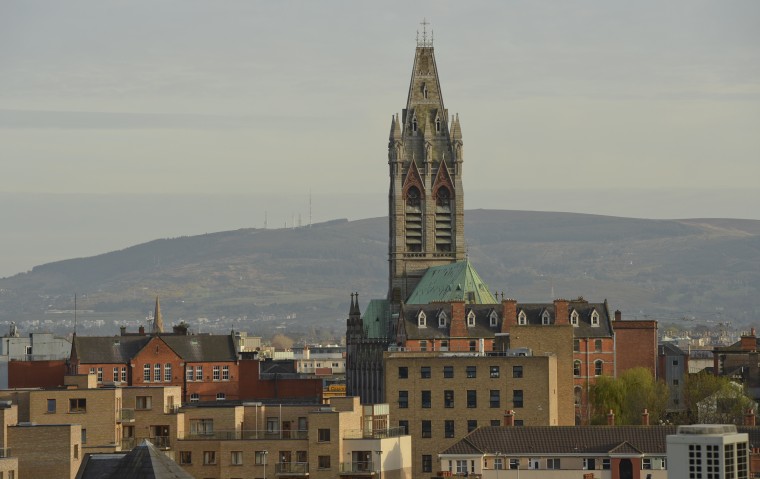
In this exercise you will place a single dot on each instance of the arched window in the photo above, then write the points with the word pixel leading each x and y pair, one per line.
pixel 413 221
pixel 443 219
pixel 442 196
pixel 545 318
pixel 421 319
pixel 438 125
pixel 471 319
pixel 413 196
pixel 574 318
pixel 414 124
pixel 594 318
pixel 576 368
pixel 424 91
pixel 578 393
pixel 442 319
pixel 598 367
pixel 494 318
pixel 522 319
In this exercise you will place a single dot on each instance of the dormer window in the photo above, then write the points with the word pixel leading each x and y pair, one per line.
pixel 421 319
pixel 494 319
pixel 545 318
pixel 471 319
pixel 442 319
pixel 522 319
pixel 594 318
pixel 574 318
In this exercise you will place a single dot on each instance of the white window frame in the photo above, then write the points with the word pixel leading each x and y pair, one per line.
pixel 574 318
pixel 522 319
pixel 421 319
pixel 494 319
pixel 471 319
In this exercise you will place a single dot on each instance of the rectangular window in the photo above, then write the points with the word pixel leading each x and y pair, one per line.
pixel 448 428
pixel 423 345
pixel 84 436
pixel 404 425
pixel 77 405
pixel 236 458
pixel 517 398
pixel 100 375
pixel 461 467
pixel 498 463
pixel 217 371
pixel 225 373
pixel 519 422
pixel 472 424
pixel 403 372
pixel 146 373
pixel 494 398
pixel 272 423
pixel 427 463
pixel 115 374
pixel 472 398
pixel 427 429
pixel 675 382
pixel 495 422
pixel 448 398
pixel 168 372
pixel 185 457
pixel 606 464
pixel 403 399
pixel 448 372
pixel 259 457
pixel 514 464
pixel 494 371
pixel 199 373
pixel 646 463
pixel 324 435
pixel 517 372
pixel 201 427
pixel 426 402
pixel 209 457
pixel 576 345
pixel 123 374
pixel 143 402
pixel 323 462
pixel 589 463
pixel 425 372
pixel 157 372
pixel 598 345
pixel 553 463
pixel 472 372
pixel 51 406
pixel 189 373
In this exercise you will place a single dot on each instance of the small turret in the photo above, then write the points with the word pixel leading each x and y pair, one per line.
pixel 395 129
pixel 456 129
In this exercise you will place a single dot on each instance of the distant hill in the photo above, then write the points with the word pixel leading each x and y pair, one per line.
pixel 300 279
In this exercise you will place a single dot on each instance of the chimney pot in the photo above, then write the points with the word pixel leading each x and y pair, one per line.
pixel 611 418
pixel 618 315
pixel 509 418
pixel 645 417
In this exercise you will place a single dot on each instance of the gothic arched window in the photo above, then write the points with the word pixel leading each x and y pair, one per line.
pixel 413 196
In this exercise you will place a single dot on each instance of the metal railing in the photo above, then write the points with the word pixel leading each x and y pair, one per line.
pixel 231 435
pixel 357 467
pixel 374 434
pixel 161 442
pixel 291 468
pixel 171 408
pixel 127 415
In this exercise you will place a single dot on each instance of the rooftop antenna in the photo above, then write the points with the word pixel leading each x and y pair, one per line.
pixel 75 313
pixel 425 42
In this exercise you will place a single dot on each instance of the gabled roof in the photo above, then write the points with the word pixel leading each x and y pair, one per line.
pixel 583 308
pixel 121 349
pixel 452 282
pixel 107 349
pixel 143 462
pixel 481 329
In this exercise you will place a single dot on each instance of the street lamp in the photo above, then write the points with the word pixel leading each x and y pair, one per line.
pixel 379 463
pixel 266 453
pixel 497 463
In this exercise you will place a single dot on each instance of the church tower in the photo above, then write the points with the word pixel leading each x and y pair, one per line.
pixel 426 200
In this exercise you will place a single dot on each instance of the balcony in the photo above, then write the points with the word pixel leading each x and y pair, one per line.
pixel 374 434
pixel 362 468
pixel 232 435
pixel 161 442
pixel 291 469
pixel 171 408
pixel 126 415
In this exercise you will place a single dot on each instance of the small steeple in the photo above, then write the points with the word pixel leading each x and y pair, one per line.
pixel 456 129
pixel 395 129
pixel 158 320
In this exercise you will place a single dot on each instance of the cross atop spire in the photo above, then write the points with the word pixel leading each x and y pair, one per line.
pixel 425 41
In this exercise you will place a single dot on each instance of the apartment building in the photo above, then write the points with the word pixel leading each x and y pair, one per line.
pixel 46 450
pixel 709 451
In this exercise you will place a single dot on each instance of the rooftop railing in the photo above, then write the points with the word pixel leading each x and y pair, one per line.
pixel 357 467
pixel 291 468
pixel 233 435
pixel 374 434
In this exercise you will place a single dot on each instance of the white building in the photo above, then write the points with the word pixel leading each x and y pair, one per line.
pixel 708 451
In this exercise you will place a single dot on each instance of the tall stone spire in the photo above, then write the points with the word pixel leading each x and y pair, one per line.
pixel 426 216
pixel 158 320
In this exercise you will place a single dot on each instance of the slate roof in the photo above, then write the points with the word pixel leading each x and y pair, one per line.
pixel 559 440
pixel 121 349
pixel 572 440
pixel 670 349
pixel 107 349
pixel 375 318
pixel 452 282
pixel 431 330
pixel 143 462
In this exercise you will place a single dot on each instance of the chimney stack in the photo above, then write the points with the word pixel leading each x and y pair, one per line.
pixel 509 418
pixel 141 330
pixel 645 417
pixel 123 330
pixel 618 315
pixel 749 418
pixel 458 328
pixel 561 313
pixel 611 418
pixel 509 314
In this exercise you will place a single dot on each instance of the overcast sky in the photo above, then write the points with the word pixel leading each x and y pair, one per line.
pixel 557 100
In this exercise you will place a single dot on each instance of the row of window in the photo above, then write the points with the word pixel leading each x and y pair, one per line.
pixel 209 458
pixel 426 426
pixel 470 372
pixel 598 343
pixel 76 405
pixel 598 367
pixel 115 374
pixel 217 373
pixel 494 398
pixel 522 319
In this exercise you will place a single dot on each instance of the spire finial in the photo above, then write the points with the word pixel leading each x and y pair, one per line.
pixel 425 42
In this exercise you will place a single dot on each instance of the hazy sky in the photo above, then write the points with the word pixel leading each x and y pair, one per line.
pixel 558 100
